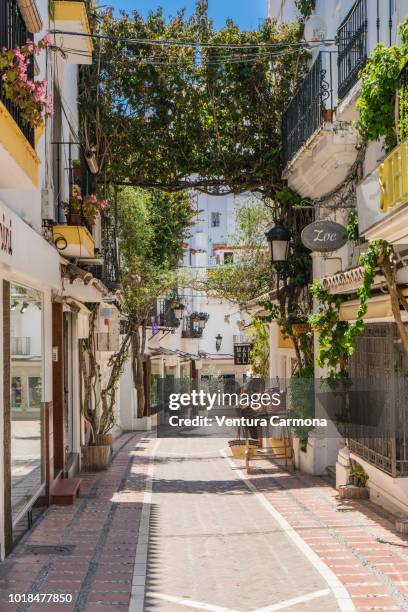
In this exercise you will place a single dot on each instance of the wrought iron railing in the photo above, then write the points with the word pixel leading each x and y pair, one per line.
pixel 108 272
pixel 352 43
pixel 70 172
pixel 163 315
pixel 306 111
pixel 13 32
pixel 20 345
pixel 191 328
pixel 378 415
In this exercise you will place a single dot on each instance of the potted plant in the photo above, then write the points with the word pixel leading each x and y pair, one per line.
pixel 195 317
pixel 74 207
pixel 84 208
pixel 358 476
pixel 76 168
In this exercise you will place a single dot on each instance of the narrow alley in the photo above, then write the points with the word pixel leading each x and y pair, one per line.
pixel 173 521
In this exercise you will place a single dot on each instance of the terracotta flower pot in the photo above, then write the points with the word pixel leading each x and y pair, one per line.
pixel 76 172
pixel 301 328
pixel 74 219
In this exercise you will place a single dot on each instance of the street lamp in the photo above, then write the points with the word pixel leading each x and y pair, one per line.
pixel 278 238
pixel 218 341
pixel 178 311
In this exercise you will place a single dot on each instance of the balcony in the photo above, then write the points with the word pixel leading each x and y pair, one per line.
pixel 317 151
pixel 20 346
pixel 108 272
pixel 70 18
pixel 163 316
pixel 18 160
pixel 352 43
pixel 72 233
pixel 382 199
pixel 194 325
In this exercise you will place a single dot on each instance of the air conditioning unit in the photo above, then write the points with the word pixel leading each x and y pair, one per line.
pixel 48 208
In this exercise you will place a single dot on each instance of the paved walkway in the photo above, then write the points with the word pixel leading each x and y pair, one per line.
pixel 218 540
pixel 96 540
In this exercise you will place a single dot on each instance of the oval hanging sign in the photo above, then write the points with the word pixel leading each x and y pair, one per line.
pixel 324 236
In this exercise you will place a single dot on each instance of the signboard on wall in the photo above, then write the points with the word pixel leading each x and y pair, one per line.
pixel 241 354
pixel 324 236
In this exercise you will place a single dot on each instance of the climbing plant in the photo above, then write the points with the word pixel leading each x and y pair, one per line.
pixel 352 233
pixel 204 111
pixel 259 355
pixel 379 85
pixel 337 339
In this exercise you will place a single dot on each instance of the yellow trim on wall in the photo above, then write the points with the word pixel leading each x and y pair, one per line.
pixel 67 10
pixel 75 235
pixel 17 145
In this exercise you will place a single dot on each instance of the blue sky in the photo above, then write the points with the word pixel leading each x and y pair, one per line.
pixel 246 13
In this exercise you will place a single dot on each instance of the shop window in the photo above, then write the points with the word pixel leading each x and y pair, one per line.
pixel 26 388
pixel 215 219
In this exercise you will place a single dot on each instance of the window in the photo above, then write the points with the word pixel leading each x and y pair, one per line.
pixel 228 258
pixel 16 392
pixel 215 219
pixel 34 391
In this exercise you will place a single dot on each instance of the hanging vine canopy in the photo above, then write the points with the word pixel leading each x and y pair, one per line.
pixel 176 115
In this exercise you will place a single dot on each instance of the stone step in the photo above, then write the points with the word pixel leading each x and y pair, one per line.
pixel 65 491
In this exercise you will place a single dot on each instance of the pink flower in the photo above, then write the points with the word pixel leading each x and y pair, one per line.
pixel 47 40
pixel 104 204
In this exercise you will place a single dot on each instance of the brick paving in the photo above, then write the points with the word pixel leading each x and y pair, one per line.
pixel 204 518
pixel 101 527
pixel 355 538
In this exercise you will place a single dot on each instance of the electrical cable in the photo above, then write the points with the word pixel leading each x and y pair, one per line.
pixel 192 44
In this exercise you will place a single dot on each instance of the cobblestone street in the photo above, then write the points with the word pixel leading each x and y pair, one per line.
pixel 217 541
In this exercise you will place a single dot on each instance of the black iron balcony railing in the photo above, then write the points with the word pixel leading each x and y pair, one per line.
pixel 352 42
pixel 108 272
pixel 163 315
pixel 71 175
pixel 13 32
pixel 191 328
pixel 20 345
pixel 311 105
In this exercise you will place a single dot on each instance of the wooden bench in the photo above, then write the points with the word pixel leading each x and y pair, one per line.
pixel 65 492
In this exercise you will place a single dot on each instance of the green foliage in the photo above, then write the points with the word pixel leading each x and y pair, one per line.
pixel 172 116
pixel 352 233
pixel 337 339
pixel 250 274
pixel 358 477
pixel 259 355
pixel 302 400
pixel 152 226
pixel 376 105
pixel 305 7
